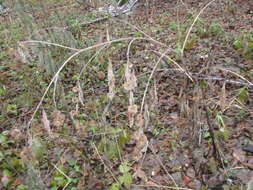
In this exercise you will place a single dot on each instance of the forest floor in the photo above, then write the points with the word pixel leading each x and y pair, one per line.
pixel 161 98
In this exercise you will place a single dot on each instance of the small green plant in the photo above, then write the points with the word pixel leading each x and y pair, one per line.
pixel 59 180
pixel 74 165
pixel 201 32
pixel 7 178
pixel 12 109
pixel 191 43
pixel 215 29
pixel 178 51
pixel 2 91
pixel 243 95
pixel 231 10
pixel 173 26
pixel 223 132
pixel 237 44
pixel 204 188
pixel 38 148
pixel 126 178
pixel 22 187
pixel 111 148
pixel 244 44
pixel 243 114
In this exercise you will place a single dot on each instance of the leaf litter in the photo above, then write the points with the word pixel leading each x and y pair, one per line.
pixel 169 145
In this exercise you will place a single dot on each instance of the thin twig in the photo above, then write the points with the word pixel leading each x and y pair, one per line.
pixel 163 186
pixel 190 29
pixel 145 34
pixel 47 43
pixel 236 74
pixel 69 179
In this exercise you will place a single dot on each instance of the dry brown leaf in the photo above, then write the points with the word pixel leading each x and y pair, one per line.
pixel 18 55
pixel 141 174
pixel 58 118
pixel 131 84
pixel 5 180
pixel 151 183
pixel 111 81
pixel 26 154
pixel 101 75
pixel 132 110
pixel 155 171
pixel 75 100
pixel 81 129
pixel 146 117
pixel 239 154
pixel 187 180
pixel 16 134
pixel 46 123
pixel 223 96
pixel 141 144
pixel 128 71
pixel 93 123
pixel 139 121
pixel 17 182
pixel 131 80
pixel 80 93
pixel 75 89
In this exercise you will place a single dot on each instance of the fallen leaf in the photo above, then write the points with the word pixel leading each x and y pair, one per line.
pixel 139 121
pixel 46 123
pixel 16 134
pixel 132 110
pixel 141 145
pixel 151 183
pixel 26 154
pixel 130 85
pixel 5 180
pixel 239 155
pixel 111 81
pixel 17 182
pixel 101 75
pixel 81 129
pixel 155 171
pixel 58 118
pixel 186 180
pixel 141 174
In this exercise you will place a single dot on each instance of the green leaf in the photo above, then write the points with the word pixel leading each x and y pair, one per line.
pixel 243 95
pixel 206 135
pixel 114 186
pixel 237 44
pixel 220 120
pixel 124 167
pixel 123 139
pixel 54 188
pixel 72 162
pixel 126 179
pixel 38 148
pixel 2 92
pixel 12 109
pixel 225 134
pixel 1 156
pixel 22 187
pixel 215 29
pixel 59 181
pixel 3 139
pixel 173 26
pixel 7 173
